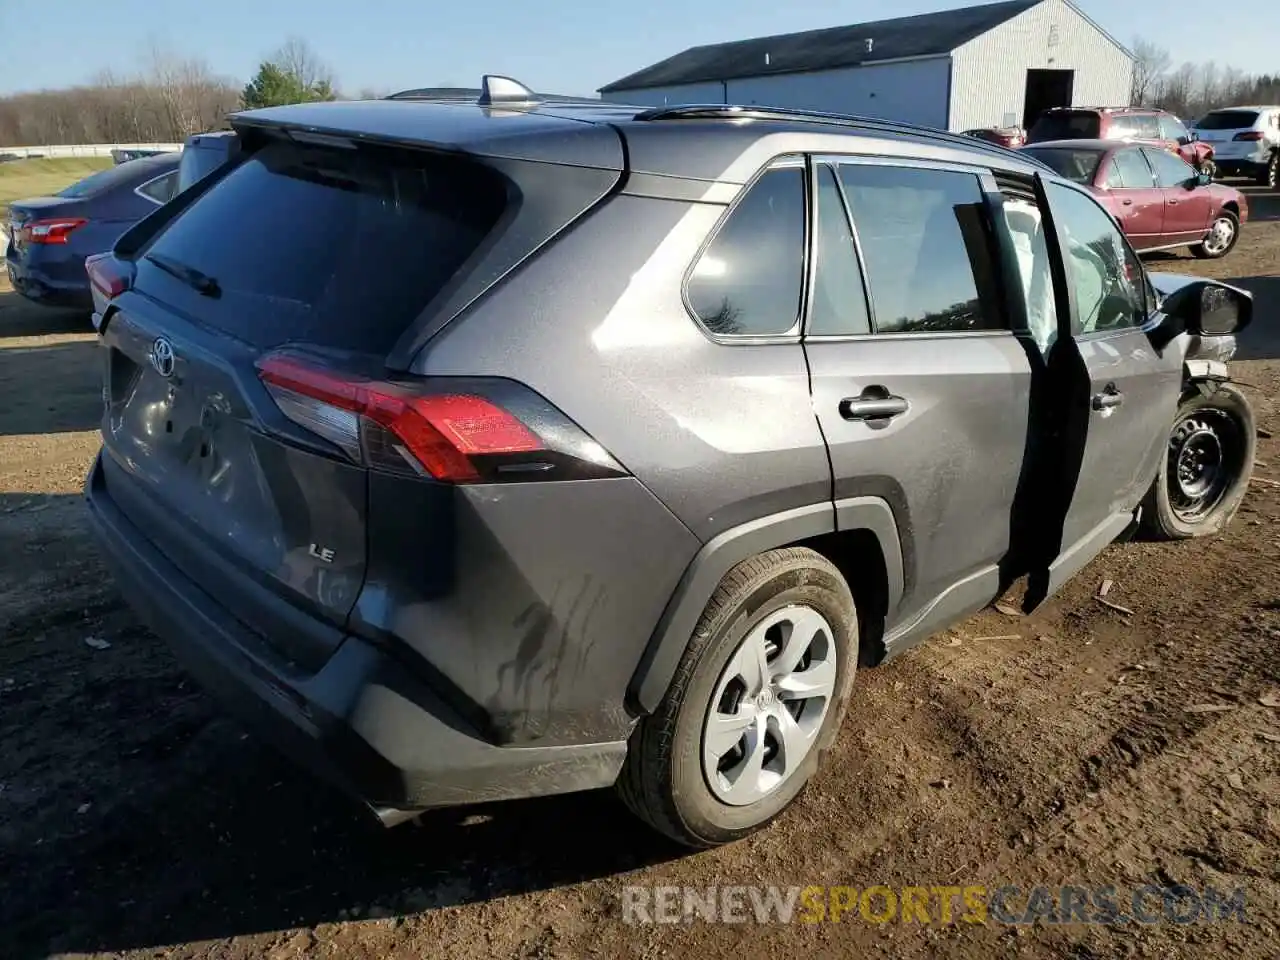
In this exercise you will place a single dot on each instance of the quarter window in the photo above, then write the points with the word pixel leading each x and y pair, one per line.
pixel 1103 271
pixel 839 303
pixel 160 189
pixel 926 244
pixel 747 282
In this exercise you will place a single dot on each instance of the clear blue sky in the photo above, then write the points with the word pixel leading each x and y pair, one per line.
pixel 573 46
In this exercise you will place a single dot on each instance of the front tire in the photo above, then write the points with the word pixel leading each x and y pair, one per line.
pixel 1204 476
pixel 1221 239
pixel 758 697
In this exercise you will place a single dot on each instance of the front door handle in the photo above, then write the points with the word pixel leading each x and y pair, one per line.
pixel 875 403
pixel 1127 203
pixel 1108 399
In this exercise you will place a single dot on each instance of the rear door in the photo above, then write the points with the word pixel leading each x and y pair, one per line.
pixel 1122 390
pixel 1136 201
pixel 322 250
pixel 1188 208
pixel 921 389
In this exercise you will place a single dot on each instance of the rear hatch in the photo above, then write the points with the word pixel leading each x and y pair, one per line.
pixel 1065 125
pixel 1232 133
pixel 332 251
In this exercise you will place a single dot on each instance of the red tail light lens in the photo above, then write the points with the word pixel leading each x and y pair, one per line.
pixel 1251 135
pixel 454 436
pixel 51 232
pixel 108 275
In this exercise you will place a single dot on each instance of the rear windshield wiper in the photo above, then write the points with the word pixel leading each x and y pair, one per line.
pixel 200 282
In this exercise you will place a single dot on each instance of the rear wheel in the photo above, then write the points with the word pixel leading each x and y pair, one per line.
pixel 758 696
pixel 1205 473
pixel 1221 238
pixel 1270 174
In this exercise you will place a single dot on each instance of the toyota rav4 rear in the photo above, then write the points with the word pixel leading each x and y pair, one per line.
pixel 390 573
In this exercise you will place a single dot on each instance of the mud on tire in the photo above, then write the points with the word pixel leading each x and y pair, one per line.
pixel 664 779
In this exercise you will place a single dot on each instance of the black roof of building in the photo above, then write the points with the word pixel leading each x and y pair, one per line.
pixel 926 34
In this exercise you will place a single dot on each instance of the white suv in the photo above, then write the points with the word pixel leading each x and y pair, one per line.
pixel 1245 141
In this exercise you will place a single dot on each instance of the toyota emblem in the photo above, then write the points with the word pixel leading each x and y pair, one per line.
pixel 162 357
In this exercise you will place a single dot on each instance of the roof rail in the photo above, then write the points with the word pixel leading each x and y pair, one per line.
pixel 713 111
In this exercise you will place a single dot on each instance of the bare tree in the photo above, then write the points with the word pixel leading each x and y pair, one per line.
pixel 1149 65
pixel 299 61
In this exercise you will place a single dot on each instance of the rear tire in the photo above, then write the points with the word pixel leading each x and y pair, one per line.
pixel 1205 474
pixel 1270 174
pixel 1221 239
pixel 675 777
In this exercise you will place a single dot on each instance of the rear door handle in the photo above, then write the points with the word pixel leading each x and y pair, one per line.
pixel 871 407
pixel 1108 399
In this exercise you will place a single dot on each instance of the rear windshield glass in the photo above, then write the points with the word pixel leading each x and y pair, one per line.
pixel 133 171
pixel 342 248
pixel 1065 125
pixel 1228 120
pixel 1077 165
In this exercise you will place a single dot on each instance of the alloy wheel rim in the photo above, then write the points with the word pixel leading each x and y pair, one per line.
pixel 1199 467
pixel 1220 236
pixel 769 705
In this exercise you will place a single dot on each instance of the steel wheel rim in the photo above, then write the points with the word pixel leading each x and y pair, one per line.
pixel 769 705
pixel 1273 171
pixel 1220 236
pixel 1200 468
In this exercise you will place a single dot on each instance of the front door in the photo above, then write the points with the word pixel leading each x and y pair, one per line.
pixel 1187 206
pixel 920 388
pixel 1124 390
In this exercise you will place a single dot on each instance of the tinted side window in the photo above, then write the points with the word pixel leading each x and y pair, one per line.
pixel 747 282
pixel 1133 170
pixel 1101 268
pixel 1171 170
pixel 839 301
pixel 926 242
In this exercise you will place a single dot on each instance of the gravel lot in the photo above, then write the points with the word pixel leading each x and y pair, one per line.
pixel 135 821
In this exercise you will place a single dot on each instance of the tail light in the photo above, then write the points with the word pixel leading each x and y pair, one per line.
pixel 454 430
pixel 108 275
pixel 1251 135
pixel 51 232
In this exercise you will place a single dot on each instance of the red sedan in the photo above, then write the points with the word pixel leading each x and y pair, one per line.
pixel 1160 201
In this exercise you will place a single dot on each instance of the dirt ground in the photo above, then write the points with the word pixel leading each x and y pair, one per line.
pixel 136 821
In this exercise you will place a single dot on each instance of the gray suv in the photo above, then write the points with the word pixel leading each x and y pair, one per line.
pixel 493 448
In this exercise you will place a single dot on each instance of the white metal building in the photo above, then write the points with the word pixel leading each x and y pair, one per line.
pixel 998 64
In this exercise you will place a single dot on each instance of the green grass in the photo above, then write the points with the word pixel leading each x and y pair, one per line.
pixel 40 178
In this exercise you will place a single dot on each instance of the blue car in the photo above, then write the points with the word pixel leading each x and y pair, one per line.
pixel 50 237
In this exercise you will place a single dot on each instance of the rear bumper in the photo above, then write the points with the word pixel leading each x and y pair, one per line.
pixel 39 287
pixel 361 721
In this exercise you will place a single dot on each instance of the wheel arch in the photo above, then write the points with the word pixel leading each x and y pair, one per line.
pixel 863 544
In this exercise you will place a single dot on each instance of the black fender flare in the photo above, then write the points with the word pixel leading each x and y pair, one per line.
pixel 726 550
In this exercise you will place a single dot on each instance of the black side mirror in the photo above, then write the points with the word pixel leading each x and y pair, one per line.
pixel 1209 308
